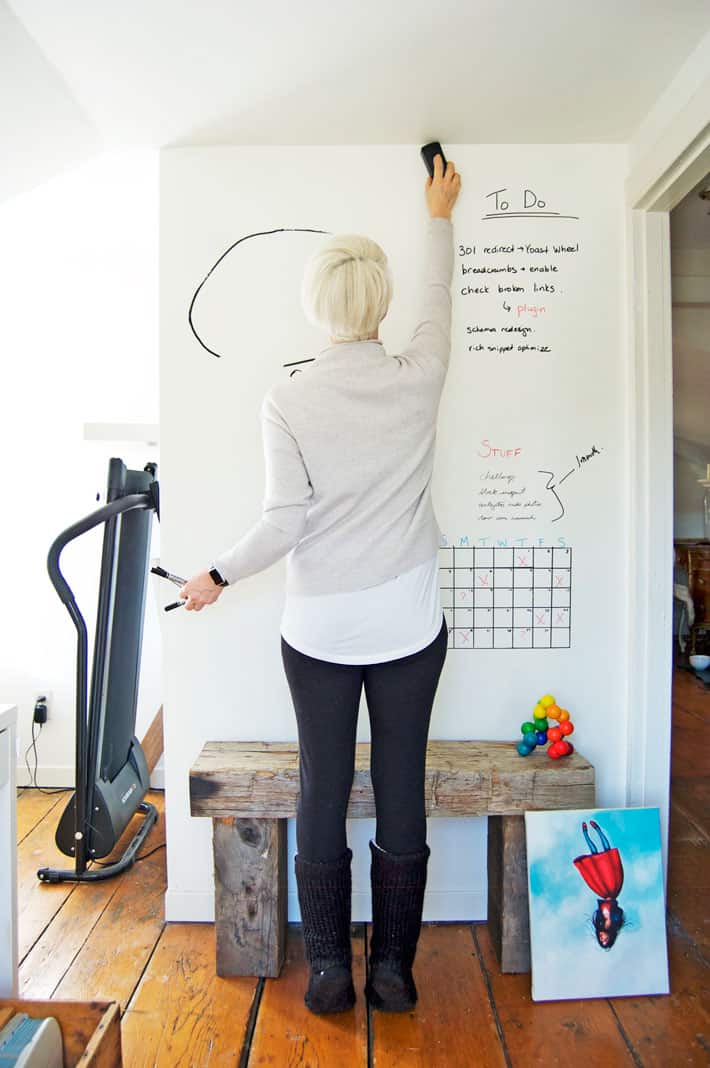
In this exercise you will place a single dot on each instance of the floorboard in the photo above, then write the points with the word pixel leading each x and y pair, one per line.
pixel 556 1034
pixel 33 806
pixel 125 934
pixel 182 1014
pixel 61 942
pixel 454 1022
pixel 38 903
pixel 668 1032
pixel 287 1033
pixel 109 940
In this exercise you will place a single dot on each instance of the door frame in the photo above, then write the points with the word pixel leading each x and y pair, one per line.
pixel 653 188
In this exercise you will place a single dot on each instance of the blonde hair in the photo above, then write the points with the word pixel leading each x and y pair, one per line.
pixel 347 287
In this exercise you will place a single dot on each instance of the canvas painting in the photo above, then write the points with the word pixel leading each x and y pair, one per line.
pixel 597 903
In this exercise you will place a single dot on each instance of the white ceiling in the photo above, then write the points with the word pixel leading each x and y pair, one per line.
pixel 158 72
pixel 41 126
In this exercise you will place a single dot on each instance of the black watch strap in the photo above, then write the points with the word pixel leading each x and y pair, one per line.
pixel 217 578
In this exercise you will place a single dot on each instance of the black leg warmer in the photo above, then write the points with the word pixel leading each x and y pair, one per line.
pixel 398 884
pixel 325 896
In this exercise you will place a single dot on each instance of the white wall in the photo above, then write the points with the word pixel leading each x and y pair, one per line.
pixel 78 274
pixel 223 677
pixel 42 128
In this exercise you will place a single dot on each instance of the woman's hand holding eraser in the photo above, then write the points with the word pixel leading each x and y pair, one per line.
pixel 442 185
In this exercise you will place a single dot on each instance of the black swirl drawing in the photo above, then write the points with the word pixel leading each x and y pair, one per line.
pixel 247 237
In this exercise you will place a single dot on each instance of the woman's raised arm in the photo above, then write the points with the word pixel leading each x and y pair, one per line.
pixel 431 339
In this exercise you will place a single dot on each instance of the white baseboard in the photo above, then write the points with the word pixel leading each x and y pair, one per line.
pixel 49 778
pixel 189 906
pixel 64 778
pixel 157 778
pixel 460 906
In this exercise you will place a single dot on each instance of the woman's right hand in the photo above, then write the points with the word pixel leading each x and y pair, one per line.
pixel 443 189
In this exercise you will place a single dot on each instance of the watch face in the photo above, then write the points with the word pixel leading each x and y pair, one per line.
pixel 217 577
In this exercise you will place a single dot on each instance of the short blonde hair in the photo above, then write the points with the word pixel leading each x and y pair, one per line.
pixel 347 287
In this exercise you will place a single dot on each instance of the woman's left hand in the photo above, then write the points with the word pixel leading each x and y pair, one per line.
pixel 199 591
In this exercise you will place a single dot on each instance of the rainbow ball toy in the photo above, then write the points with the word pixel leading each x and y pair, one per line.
pixel 538 732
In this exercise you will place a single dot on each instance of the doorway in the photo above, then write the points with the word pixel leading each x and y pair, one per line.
pixel 689 853
pixel 654 190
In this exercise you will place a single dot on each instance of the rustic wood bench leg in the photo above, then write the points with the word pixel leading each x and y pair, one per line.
pixel 508 917
pixel 251 905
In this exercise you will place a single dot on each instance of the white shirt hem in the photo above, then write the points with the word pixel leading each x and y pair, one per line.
pixel 372 658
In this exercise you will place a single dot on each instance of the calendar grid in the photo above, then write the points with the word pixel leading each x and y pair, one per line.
pixel 504 598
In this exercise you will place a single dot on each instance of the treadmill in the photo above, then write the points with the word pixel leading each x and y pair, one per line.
pixel 112 775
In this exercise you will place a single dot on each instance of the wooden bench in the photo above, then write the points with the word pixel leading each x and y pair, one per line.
pixel 250 789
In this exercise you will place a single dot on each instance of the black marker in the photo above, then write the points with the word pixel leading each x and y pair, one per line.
pixel 177 579
pixel 175 604
pixel 428 152
pixel 157 570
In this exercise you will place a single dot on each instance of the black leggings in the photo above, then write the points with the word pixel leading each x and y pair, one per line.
pixel 326 698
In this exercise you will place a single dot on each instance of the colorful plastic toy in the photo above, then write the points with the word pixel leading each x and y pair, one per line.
pixel 538 732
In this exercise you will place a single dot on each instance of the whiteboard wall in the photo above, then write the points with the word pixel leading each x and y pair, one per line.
pixel 530 484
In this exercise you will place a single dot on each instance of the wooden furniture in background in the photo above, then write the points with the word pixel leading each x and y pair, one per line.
pixel 250 789
pixel 693 555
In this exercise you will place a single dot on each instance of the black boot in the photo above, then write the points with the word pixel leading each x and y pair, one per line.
pixel 325 895
pixel 398 883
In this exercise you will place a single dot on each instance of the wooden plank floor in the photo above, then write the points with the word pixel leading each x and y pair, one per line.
pixel 109 941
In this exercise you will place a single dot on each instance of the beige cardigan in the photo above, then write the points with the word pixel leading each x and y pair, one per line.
pixel 349 453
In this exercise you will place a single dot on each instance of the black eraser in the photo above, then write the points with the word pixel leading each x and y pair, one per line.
pixel 428 152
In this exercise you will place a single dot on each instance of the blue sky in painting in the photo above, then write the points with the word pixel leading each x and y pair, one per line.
pixel 567 959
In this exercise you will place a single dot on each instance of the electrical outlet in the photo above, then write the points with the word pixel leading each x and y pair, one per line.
pixel 25 701
pixel 41 705
pixel 41 709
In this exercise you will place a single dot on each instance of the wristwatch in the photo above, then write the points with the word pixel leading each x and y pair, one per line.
pixel 217 578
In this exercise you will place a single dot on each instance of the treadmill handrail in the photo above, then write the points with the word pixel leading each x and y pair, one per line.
pixel 121 504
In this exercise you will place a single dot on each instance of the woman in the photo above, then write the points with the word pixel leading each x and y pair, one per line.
pixel 349 451
pixel 603 872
